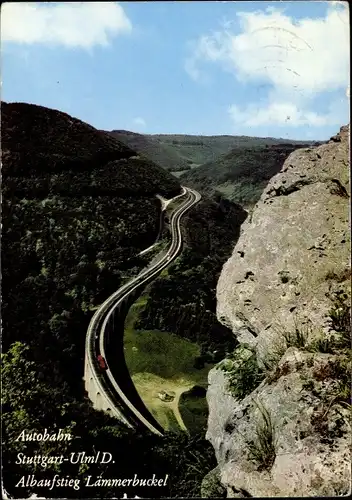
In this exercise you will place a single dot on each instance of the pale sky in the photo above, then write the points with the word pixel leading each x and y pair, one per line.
pixel 276 69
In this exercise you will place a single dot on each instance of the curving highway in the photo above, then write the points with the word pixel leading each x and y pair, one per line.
pixel 105 384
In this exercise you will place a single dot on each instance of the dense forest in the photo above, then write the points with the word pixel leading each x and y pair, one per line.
pixel 165 156
pixel 178 153
pixel 242 174
pixel 184 300
pixel 77 208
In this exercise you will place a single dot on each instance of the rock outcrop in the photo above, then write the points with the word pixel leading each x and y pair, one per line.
pixel 293 251
pixel 285 293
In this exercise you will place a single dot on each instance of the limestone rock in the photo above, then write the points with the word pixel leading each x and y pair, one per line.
pixel 310 436
pixel 294 250
pixel 290 436
pixel 211 485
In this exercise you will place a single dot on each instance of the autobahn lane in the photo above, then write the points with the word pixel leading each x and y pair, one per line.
pixel 144 415
pixel 97 341
pixel 125 291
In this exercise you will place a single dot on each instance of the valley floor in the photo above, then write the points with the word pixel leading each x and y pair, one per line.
pixel 161 361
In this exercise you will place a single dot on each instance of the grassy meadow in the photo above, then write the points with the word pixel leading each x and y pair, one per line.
pixel 163 361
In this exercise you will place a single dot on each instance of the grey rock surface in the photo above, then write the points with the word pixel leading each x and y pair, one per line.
pixel 293 255
pixel 296 249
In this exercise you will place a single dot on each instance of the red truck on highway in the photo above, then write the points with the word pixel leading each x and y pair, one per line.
pixel 102 363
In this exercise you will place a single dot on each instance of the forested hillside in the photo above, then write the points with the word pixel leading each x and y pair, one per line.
pixel 200 149
pixel 181 153
pixel 195 149
pixel 242 174
pixel 176 153
pixel 184 300
pixel 77 208
pixel 163 155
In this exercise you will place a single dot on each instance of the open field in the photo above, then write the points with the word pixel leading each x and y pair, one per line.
pixel 162 361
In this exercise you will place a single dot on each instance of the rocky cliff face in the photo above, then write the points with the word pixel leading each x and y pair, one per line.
pixel 279 405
